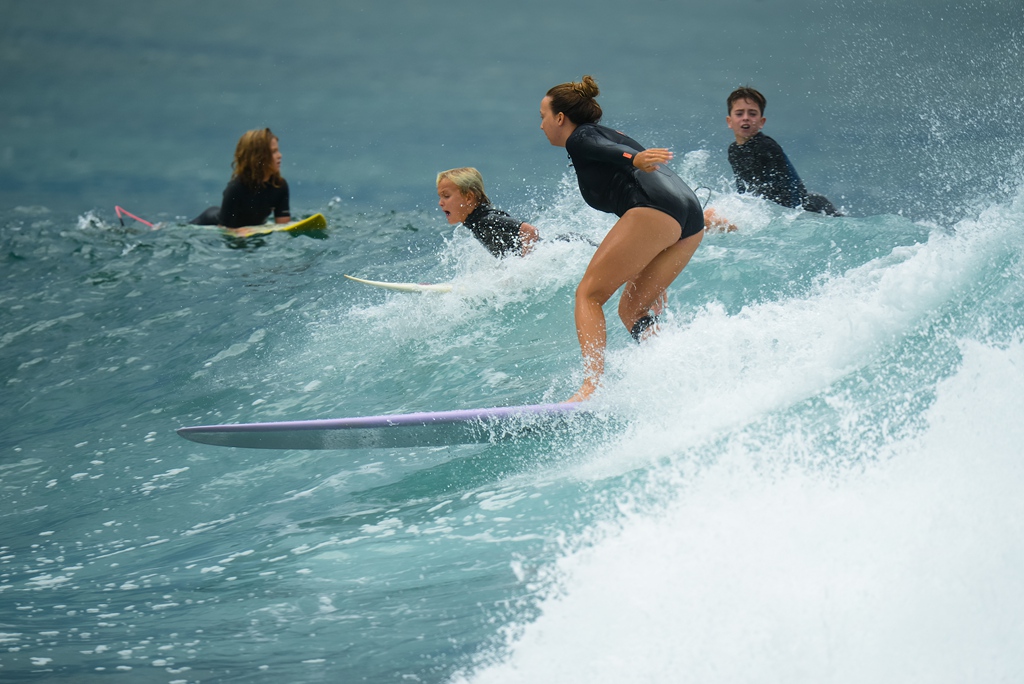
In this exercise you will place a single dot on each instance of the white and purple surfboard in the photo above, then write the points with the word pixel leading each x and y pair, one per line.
pixel 440 428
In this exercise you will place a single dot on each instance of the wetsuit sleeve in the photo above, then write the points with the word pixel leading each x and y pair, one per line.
pixel 496 230
pixel 739 168
pixel 281 207
pixel 590 145
pixel 777 171
pixel 762 168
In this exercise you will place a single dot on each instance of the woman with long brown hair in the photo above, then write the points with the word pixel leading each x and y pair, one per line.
pixel 256 187
pixel 660 221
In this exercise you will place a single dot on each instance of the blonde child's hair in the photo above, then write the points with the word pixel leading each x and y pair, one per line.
pixel 468 180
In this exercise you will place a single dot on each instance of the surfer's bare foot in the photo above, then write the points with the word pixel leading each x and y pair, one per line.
pixel 583 393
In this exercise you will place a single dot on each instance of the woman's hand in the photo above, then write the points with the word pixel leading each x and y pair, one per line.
pixel 650 160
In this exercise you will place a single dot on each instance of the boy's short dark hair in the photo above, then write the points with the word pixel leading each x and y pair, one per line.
pixel 745 93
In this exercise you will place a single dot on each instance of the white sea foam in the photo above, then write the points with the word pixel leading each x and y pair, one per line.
pixel 747 555
pixel 907 570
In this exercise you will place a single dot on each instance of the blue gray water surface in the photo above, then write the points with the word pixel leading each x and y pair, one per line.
pixel 812 474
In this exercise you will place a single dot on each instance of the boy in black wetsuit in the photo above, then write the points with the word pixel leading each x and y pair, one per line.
pixel 760 165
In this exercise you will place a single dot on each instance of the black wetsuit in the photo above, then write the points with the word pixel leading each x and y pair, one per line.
pixel 495 229
pixel 246 206
pixel 763 169
pixel 603 159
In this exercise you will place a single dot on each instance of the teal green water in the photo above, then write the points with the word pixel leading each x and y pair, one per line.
pixel 813 472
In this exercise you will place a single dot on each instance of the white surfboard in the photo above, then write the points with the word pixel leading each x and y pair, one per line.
pixel 405 287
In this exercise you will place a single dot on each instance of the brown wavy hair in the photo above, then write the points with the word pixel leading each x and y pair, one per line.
pixel 254 162
pixel 576 101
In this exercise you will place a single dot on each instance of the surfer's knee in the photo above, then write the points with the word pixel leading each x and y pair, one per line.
pixel 589 290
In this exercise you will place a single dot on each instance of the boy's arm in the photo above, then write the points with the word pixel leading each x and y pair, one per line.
pixel 770 174
pixel 741 169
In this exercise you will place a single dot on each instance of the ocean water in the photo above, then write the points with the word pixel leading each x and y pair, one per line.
pixel 812 474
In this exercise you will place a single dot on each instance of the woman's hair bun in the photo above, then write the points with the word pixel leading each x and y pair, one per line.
pixel 587 87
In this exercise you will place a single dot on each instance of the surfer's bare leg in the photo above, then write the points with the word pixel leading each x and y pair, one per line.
pixel 635 242
pixel 646 292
